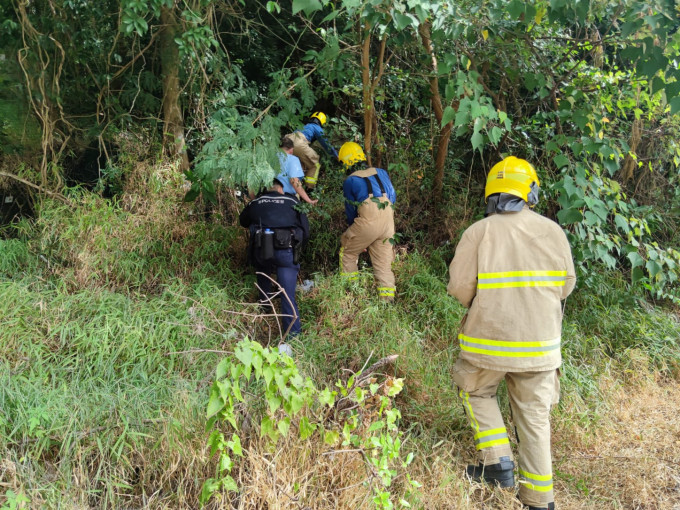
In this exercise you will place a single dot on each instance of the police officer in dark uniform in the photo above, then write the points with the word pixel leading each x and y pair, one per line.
pixel 277 232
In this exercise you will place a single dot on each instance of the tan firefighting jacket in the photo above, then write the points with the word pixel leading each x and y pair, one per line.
pixel 511 270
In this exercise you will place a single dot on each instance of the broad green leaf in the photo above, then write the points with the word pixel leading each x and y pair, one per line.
pixel 215 404
pixel 495 135
pixel 448 116
pixel 401 21
pixel 515 8
pixel 560 160
pixel 222 368
pixel 229 484
pixel 569 216
pixel 675 105
pixel 296 403
pixel 274 402
pixel 283 426
pixel 635 259
pixel 331 437
pixel 376 426
pixel 306 428
pixel 621 223
pixel 477 141
pixel 309 6
pixel 653 268
pixel 235 445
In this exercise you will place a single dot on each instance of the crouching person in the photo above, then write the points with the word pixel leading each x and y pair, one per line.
pixel 277 232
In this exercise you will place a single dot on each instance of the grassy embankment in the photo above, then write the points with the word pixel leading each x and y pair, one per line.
pixel 110 316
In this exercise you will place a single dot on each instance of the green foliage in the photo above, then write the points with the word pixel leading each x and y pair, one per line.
pixel 294 403
pixel 243 146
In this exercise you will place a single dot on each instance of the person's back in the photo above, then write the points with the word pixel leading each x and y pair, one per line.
pixel 522 263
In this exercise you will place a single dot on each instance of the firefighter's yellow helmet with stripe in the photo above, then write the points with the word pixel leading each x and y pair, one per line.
pixel 512 175
pixel 351 153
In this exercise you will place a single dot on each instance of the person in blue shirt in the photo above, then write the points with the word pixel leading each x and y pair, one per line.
pixel 302 139
pixel 291 171
pixel 369 200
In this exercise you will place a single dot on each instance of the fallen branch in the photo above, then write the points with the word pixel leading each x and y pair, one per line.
pixel 39 188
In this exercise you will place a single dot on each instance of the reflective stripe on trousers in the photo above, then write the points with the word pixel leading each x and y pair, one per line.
pixel 534 482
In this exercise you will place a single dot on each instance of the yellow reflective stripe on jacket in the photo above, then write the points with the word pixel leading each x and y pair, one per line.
pixel 386 291
pixel 492 437
pixel 510 279
pixel 311 180
pixel 508 348
pixel 534 482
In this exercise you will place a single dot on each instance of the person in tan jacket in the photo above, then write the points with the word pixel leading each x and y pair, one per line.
pixel 369 208
pixel 511 270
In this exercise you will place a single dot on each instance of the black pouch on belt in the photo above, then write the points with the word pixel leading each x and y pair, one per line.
pixel 283 238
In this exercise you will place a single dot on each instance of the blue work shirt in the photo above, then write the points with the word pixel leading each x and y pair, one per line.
pixel 290 168
pixel 356 191
pixel 313 131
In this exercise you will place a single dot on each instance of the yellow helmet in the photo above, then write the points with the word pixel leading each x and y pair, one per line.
pixel 512 175
pixel 351 153
pixel 319 115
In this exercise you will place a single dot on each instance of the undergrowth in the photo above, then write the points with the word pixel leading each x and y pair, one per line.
pixel 114 315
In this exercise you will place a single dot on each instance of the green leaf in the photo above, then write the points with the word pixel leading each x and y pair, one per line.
pixel 283 426
pixel 448 116
pixel 191 195
pixel 635 259
pixel 215 404
pixel 675 105
pixel 309 6
pixel 401 21
pixel 621 223
pixel 560 160
pixel 477 141
pixel 331 437
pixel 306 428
pixel 515 9
pixel 569 216
pixel 222 368
pixel 235 445
pixel 495 135
pixel 376 426
pixel 229 484
pixel 244 355
pixel 653 268
pixel 296 403
pixel 274 402
pixel 210 486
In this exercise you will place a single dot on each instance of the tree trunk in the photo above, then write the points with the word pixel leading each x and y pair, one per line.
pixel 370 83
pixel 173 122
pixel 444 132
pixel 367 99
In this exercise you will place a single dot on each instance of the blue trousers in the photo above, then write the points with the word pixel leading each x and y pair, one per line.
pixel 286 276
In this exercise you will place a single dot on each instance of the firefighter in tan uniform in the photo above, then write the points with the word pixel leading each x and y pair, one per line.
pixel 511 270
pixel 303 140
pixel 369 200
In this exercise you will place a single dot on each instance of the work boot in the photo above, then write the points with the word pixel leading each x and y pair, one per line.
pixel 501 474
pixel 551 506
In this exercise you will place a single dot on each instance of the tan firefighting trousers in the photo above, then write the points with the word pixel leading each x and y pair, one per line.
pixel 373 228
pixel 309 159
pixel 531 396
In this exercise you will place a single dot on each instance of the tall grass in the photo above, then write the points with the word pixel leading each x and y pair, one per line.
pixel 113 316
